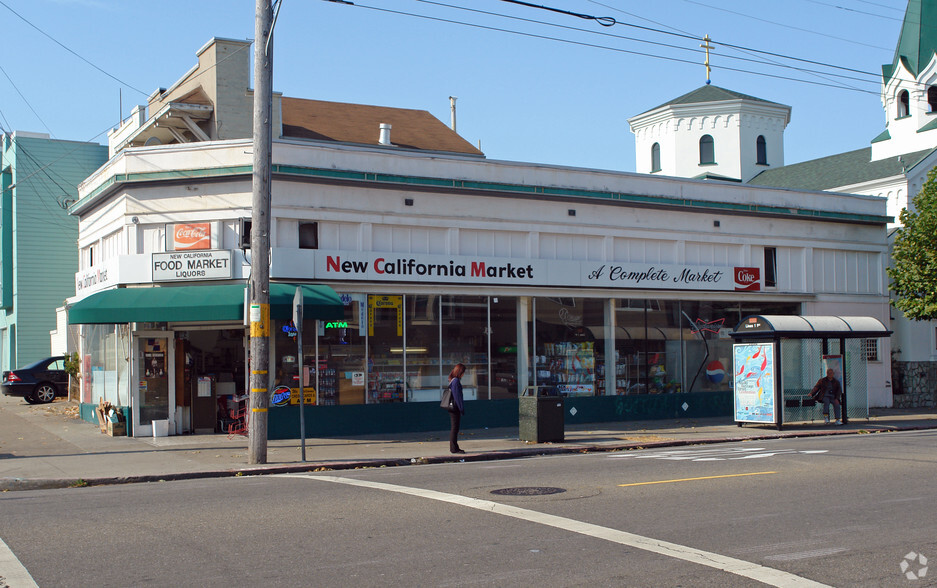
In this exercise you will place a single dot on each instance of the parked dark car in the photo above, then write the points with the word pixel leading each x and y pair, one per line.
pixel 38 382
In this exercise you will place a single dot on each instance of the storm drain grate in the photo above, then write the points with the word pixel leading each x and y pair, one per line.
pixel 528 491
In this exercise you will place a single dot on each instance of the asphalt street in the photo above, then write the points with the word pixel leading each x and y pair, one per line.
pixel 838 511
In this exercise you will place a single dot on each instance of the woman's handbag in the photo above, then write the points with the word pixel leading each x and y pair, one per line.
pixel 446 401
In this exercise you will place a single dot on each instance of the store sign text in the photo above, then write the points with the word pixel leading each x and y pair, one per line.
pixel 192 265
pixel 413 267
pixel 617 273
pixel 465 270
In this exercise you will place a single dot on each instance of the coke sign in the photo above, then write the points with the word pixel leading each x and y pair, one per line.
pixel 747 279
pixel 192 236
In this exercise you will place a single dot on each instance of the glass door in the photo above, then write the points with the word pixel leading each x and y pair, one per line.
pixel 153 393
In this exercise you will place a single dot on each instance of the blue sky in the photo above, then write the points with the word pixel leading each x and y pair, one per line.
pixel 524 97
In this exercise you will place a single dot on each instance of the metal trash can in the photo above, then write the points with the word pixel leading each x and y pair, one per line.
pixel 541 419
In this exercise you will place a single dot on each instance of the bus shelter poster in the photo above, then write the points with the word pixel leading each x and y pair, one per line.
pixel 754 382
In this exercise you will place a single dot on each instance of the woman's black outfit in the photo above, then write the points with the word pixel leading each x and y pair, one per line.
pixel 455 414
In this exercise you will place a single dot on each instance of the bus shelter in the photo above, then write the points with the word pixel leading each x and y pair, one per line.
pixel 777 359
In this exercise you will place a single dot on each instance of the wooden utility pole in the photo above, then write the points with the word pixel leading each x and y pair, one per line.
pixel 260 233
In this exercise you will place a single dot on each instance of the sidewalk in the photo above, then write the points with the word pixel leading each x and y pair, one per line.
pixel 47 446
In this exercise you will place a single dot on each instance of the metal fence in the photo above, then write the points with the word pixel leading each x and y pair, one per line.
pixel 802 366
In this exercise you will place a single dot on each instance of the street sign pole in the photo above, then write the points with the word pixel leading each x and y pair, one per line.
pixel 298 323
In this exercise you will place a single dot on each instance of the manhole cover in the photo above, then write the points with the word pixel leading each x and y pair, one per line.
pixel 528 491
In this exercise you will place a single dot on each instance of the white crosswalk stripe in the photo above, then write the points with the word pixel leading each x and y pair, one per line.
pixel 719 454
pixel 746 569
pixel 12 572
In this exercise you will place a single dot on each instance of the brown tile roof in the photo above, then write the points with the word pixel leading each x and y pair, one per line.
pixel 358 123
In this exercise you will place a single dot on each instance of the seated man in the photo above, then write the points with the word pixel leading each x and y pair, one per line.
pixel 828 390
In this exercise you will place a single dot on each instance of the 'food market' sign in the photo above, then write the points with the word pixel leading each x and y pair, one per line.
pixel 192 265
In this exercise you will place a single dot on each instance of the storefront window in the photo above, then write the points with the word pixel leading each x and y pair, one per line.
pixel 333 357
pixel 707 345
pixel 678 346
pixel 503 334
pixel 648 344
pixel 102 364
pixel 122 365
pixel 342 354
pixel 566 350
pixel 426 364
pixel 465 340
pixel 663 359
pixel 385 346
pixel 401 347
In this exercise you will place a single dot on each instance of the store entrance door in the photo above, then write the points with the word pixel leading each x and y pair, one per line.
pixel 152 414
pixel 214 376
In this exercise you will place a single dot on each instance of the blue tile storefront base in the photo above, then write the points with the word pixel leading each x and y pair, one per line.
pixel 376 419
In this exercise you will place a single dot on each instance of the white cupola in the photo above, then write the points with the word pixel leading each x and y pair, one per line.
pixel 713 133
pixel 909 86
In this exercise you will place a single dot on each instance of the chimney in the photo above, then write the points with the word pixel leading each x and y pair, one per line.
pixel 385 134
pixel 452 100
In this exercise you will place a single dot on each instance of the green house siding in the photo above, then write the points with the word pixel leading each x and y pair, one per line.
pixel 6 238
pixel 41 241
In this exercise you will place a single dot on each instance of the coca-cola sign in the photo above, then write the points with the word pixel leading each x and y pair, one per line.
pixel 747 279
pixel 191 236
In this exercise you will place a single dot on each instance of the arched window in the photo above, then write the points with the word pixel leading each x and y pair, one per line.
pixel 932 99
pixel 904 104
pixel 761 150
pixel 707 150
pixel 655 157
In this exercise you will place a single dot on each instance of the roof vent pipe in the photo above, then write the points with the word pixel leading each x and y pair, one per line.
pixel 452 100
pixel 385 134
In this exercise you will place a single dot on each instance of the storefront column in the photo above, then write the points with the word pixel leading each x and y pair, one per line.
pixel 523 345
pixel 611 352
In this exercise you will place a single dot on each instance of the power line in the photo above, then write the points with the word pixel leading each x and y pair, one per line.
pixel 41 188
pixel 752 49
pixel 684 35
pixel 9 79
pixel 54 40
pixel 803 30
pixel 615 49
pixel 752 52
pixel 605 21
pixel 838 7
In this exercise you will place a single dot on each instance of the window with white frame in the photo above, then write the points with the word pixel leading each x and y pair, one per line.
pixel 88 256
pixel 904 104
pixel 871 349
pixel 707 150
pixel 655 157
pixel 110 246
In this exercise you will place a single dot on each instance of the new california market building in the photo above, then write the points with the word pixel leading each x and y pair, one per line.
pixel 615 290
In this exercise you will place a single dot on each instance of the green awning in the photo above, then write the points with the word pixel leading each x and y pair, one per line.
pixel 224 302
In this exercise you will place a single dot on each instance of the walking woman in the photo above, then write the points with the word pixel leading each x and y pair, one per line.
pixel 457 408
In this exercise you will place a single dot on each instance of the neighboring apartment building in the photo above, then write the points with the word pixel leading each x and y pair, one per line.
pixel 39 178
pixel 720 134
pixel 616 290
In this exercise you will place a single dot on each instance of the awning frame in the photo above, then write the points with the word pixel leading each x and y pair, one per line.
pixel 809 327
pixel 202 303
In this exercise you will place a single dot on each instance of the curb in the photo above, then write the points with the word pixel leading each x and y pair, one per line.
pixel 21 484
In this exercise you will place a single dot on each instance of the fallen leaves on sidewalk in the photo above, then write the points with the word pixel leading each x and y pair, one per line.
pixel 60 408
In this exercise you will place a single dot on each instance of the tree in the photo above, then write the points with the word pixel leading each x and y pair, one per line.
pixel 73 369
pixel 913 272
